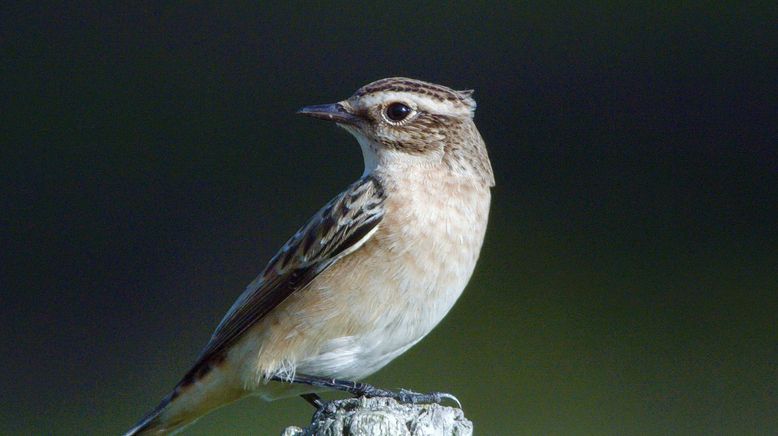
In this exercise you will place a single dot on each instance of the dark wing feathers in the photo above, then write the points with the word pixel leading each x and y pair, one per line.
pixel 327 236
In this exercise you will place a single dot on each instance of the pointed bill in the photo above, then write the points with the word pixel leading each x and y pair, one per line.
pixel 330 112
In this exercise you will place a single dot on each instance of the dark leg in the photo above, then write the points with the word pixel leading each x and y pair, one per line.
pixel 314 400
pixel 365 390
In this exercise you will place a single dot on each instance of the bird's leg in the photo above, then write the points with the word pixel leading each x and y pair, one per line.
pixel 365 390
pixel 314 400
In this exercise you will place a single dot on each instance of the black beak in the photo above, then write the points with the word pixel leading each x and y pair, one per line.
pixel 330 112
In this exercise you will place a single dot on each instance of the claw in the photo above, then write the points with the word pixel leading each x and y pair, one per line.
pixel 448 396
pixel 364 390
pixel 408 396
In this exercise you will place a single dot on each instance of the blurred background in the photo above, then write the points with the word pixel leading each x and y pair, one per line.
pixel 152 163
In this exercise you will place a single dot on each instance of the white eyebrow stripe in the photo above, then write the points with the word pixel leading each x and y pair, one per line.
pixel 420 101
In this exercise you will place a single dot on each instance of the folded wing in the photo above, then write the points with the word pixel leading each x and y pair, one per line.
pixel 338 229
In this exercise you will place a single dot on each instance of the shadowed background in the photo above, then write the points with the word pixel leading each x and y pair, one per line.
pixel 152 163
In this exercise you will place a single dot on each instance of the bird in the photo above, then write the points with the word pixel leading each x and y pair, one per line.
pixel 369 275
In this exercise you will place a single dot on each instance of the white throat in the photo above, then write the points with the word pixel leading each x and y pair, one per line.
pixel 368 150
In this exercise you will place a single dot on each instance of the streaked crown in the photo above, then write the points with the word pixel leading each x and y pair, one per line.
pixel 429 96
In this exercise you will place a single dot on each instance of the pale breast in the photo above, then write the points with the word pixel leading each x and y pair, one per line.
pixel 374 304
pixel 434 233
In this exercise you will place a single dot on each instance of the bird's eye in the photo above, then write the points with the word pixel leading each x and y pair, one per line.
pixel 397 112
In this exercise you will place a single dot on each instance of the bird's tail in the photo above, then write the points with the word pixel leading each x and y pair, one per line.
pixel 199 393
pixel 152 423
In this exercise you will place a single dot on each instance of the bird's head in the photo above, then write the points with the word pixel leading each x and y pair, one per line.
pixel 400 121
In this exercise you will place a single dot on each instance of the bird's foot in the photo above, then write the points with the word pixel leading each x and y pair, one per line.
pixel 365 390
pixel 407 396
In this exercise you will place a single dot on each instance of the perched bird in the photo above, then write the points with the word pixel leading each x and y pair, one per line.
pixel 370 274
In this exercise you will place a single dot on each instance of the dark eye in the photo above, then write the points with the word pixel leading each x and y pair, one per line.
pixel 397 111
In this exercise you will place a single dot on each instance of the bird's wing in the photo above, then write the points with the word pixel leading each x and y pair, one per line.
pixel 339 228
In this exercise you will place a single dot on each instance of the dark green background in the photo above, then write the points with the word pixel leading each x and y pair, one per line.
pixel 152 163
